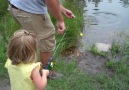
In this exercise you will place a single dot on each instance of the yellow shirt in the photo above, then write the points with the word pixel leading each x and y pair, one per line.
pixel 20 75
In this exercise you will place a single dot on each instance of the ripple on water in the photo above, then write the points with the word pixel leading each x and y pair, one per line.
pixel 103 18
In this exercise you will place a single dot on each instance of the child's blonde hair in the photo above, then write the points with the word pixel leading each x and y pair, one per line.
pixel 22 47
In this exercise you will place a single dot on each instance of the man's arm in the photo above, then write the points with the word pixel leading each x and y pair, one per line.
pixel 54 8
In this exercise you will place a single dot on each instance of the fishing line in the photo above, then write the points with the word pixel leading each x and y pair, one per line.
pixel 50 63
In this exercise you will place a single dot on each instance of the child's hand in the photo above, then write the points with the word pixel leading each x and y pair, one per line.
pixel 45 72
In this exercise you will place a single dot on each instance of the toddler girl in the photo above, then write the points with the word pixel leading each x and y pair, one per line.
pixel 22 64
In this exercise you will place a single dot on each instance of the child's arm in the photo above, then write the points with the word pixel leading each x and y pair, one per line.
pixel 40 82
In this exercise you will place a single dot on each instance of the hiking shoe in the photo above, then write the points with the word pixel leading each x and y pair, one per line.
pixel 54 75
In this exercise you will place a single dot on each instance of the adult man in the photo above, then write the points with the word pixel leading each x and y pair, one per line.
pixel 33 16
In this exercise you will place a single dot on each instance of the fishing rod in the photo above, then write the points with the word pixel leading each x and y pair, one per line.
pixel 50 63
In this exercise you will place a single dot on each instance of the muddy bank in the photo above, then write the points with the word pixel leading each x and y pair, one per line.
pixel 93 64
pixel 90 63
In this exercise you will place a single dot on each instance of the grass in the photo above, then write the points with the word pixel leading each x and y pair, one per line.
pixel 73 28
pixel 3 7
pixel 74 78
pixel 7 27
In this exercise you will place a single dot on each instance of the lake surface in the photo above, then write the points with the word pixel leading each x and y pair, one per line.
pixel 104 20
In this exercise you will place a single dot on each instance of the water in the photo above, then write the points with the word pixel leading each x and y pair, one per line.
pixel 105 20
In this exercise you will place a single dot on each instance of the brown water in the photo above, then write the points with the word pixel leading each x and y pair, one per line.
pixel 105 21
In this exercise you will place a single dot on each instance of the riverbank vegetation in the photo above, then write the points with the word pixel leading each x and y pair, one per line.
pixel 116 79
pixel 74 78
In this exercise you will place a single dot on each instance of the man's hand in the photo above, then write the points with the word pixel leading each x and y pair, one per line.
pixel 61 27
pixel 67 12
pixel 54 7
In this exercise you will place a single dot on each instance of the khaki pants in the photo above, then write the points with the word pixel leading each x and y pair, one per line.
pixel 40 24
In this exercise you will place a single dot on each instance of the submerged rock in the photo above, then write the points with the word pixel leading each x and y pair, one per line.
pixel 103 47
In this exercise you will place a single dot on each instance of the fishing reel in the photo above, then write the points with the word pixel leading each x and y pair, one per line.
pixel 49 66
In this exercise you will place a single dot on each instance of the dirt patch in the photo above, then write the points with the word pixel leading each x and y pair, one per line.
pixel 4 84
pixel 91 64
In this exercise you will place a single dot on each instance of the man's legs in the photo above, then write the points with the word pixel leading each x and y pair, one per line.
pixel 42 26
pixel 44 57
